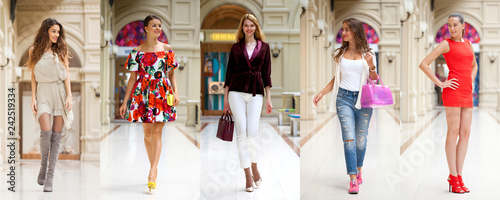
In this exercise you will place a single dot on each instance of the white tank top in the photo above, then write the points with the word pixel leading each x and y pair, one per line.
pixel 350 74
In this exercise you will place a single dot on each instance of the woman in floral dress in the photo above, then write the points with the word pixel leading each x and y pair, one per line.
pixel 151 94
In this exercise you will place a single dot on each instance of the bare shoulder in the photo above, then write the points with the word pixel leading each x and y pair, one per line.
pixel 444 46
pixel 167 47
pixel 31 50
pixel 137 48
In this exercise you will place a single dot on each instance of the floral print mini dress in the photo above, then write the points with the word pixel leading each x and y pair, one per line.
pixel 148 100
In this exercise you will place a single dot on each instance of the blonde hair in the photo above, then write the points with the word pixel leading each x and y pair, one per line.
pixel 258 32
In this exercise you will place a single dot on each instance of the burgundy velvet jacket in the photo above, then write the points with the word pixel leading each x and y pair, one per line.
pixel 249 75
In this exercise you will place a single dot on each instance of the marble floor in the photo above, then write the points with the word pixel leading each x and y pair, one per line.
pixel 124 164
pixel 72 180
pixel 403 161
pixel 323 171
pixel 279 164
pixel 423 166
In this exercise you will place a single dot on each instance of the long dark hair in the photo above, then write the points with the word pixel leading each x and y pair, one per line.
pixel 42 42
pixel 460 18
pixel 355 26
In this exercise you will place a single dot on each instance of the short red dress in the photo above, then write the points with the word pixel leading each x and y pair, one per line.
pixel 459 60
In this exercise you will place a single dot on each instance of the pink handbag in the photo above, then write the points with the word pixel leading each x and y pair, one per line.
pixel 375 96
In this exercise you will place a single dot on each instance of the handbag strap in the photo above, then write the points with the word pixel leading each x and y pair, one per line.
pixel 378 79
pixel 226 116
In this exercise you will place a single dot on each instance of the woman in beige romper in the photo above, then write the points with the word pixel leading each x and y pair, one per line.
pixel 51 100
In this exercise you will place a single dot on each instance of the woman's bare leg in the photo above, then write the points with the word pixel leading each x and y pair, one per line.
pixel 148 137
pixel 156 148
pixel 255 172
pixel 453 122
pixel 463 141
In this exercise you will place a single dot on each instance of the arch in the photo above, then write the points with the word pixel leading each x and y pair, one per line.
pixel 470 34
pixel 72 42
pixel 224 17
pixel 74 61
pixel 365 17
pixel 471 18
pixel 371 35
pixel 294 14
pixel 132 35
pixel 138 13
pixel 254 6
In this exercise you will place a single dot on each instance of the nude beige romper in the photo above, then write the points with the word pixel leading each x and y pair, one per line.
pixel 50 74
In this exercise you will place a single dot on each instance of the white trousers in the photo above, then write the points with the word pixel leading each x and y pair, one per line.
pixel 246 111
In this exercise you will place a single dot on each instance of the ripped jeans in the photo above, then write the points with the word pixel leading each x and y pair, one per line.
pixel 354 124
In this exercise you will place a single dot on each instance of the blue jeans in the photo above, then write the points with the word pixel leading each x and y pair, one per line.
pixel 354 123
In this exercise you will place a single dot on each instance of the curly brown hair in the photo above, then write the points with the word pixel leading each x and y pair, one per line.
pixel 42 42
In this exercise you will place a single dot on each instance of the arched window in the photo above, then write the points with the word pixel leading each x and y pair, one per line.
pixel 470 34
pixel 132 35
pixel 371 35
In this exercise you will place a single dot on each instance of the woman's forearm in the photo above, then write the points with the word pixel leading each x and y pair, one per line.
pixel 33 85
pixel 171 76
pixel 226 92
pixel 428 71
pixel 372 73
pixel 328 87
pixel 474 73
pixel 67 83
pixel 130 86
pixel 268 92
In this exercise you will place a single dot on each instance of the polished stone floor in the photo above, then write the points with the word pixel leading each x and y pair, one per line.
pixel 72 180
pixel 403 161
pixel 125 166
pixel 323 170
pixel 279 165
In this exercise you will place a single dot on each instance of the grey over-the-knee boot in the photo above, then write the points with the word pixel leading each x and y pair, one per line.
pixel 45 137
pixel 54 153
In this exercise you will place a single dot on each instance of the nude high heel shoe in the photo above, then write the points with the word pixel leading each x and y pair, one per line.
pixel 258 182
pixel 250 189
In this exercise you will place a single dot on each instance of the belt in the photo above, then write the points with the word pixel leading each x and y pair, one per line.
pixel 252 75
pixel 59 82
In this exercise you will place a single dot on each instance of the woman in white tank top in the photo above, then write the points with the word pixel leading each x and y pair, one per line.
pixel 355 63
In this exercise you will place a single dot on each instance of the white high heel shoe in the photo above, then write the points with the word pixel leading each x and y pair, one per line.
pixel 258 182
pixel 250 189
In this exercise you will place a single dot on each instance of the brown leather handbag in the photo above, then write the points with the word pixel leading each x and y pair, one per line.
pixel 226 127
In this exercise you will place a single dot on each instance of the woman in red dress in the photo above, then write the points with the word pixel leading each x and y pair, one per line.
pixel 457 96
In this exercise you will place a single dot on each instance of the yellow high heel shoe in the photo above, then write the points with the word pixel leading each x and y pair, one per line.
pixel 151 186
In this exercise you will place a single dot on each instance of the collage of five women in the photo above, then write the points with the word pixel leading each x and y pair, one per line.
pixel 249 99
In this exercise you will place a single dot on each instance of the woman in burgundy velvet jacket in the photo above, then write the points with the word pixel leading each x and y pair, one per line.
pixel 248 76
